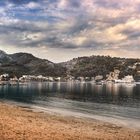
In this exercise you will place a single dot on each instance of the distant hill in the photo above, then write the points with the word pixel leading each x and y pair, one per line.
pixel 25 63
pixel 4 58
pixel 101 65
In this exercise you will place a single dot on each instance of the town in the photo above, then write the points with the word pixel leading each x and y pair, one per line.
pixel 112 77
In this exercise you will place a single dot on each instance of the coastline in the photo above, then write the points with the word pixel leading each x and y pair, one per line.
pixel 18 122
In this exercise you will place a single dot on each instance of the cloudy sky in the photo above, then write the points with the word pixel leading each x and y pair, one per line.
pixel 59 30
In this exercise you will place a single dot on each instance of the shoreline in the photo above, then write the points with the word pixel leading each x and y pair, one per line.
pixel 126 122
pixel 18 122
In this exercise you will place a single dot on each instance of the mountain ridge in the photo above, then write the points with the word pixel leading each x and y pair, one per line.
pixel 26 63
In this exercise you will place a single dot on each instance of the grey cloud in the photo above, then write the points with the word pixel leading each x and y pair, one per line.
pixel 19 2
pixel 18 28
pixel 74 3
pixel 108 4
pixel 12 34
pixel 131 33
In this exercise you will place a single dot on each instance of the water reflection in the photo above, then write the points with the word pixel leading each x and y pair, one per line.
pixel 128 94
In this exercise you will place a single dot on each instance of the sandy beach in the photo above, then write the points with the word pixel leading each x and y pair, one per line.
pixel 18 123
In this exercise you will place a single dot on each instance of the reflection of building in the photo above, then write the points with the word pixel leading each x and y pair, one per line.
pixel 128 88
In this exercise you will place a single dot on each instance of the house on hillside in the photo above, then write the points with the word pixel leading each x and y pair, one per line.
pixel 128 79
pixel 57 79
pixel 14 79
pixel 113 76
pixel 98 78
pixel 4 77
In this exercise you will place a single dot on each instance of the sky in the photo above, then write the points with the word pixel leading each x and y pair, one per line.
pixel 60 30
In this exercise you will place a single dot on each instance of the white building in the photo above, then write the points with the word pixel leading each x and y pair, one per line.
pixel 128 79
pixel 98 78
pixel 4 77
pixel 15 79
pixel 51 79
pixel 57 78
pixel 113 76
pixel 80 79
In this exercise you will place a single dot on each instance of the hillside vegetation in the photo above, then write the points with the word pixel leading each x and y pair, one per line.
pixel 24 63
pixel 101 65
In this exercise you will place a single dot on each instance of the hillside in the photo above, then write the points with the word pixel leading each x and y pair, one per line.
pixel 101 65
pixel 25 63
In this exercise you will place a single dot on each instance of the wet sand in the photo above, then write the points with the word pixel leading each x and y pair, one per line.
pixel 18 123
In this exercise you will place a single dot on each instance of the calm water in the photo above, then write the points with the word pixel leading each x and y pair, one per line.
pixel 118 101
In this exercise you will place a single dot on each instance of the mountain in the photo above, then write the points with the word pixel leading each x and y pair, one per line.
pixel 4 58
pixel 101 65
pixel 24 63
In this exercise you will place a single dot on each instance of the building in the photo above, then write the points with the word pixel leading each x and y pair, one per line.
pixel 82 79
pixel 98 78
pixel 128 79
pixel 14 79
pixel 113 76
pixel 137 76
pixel 4 77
